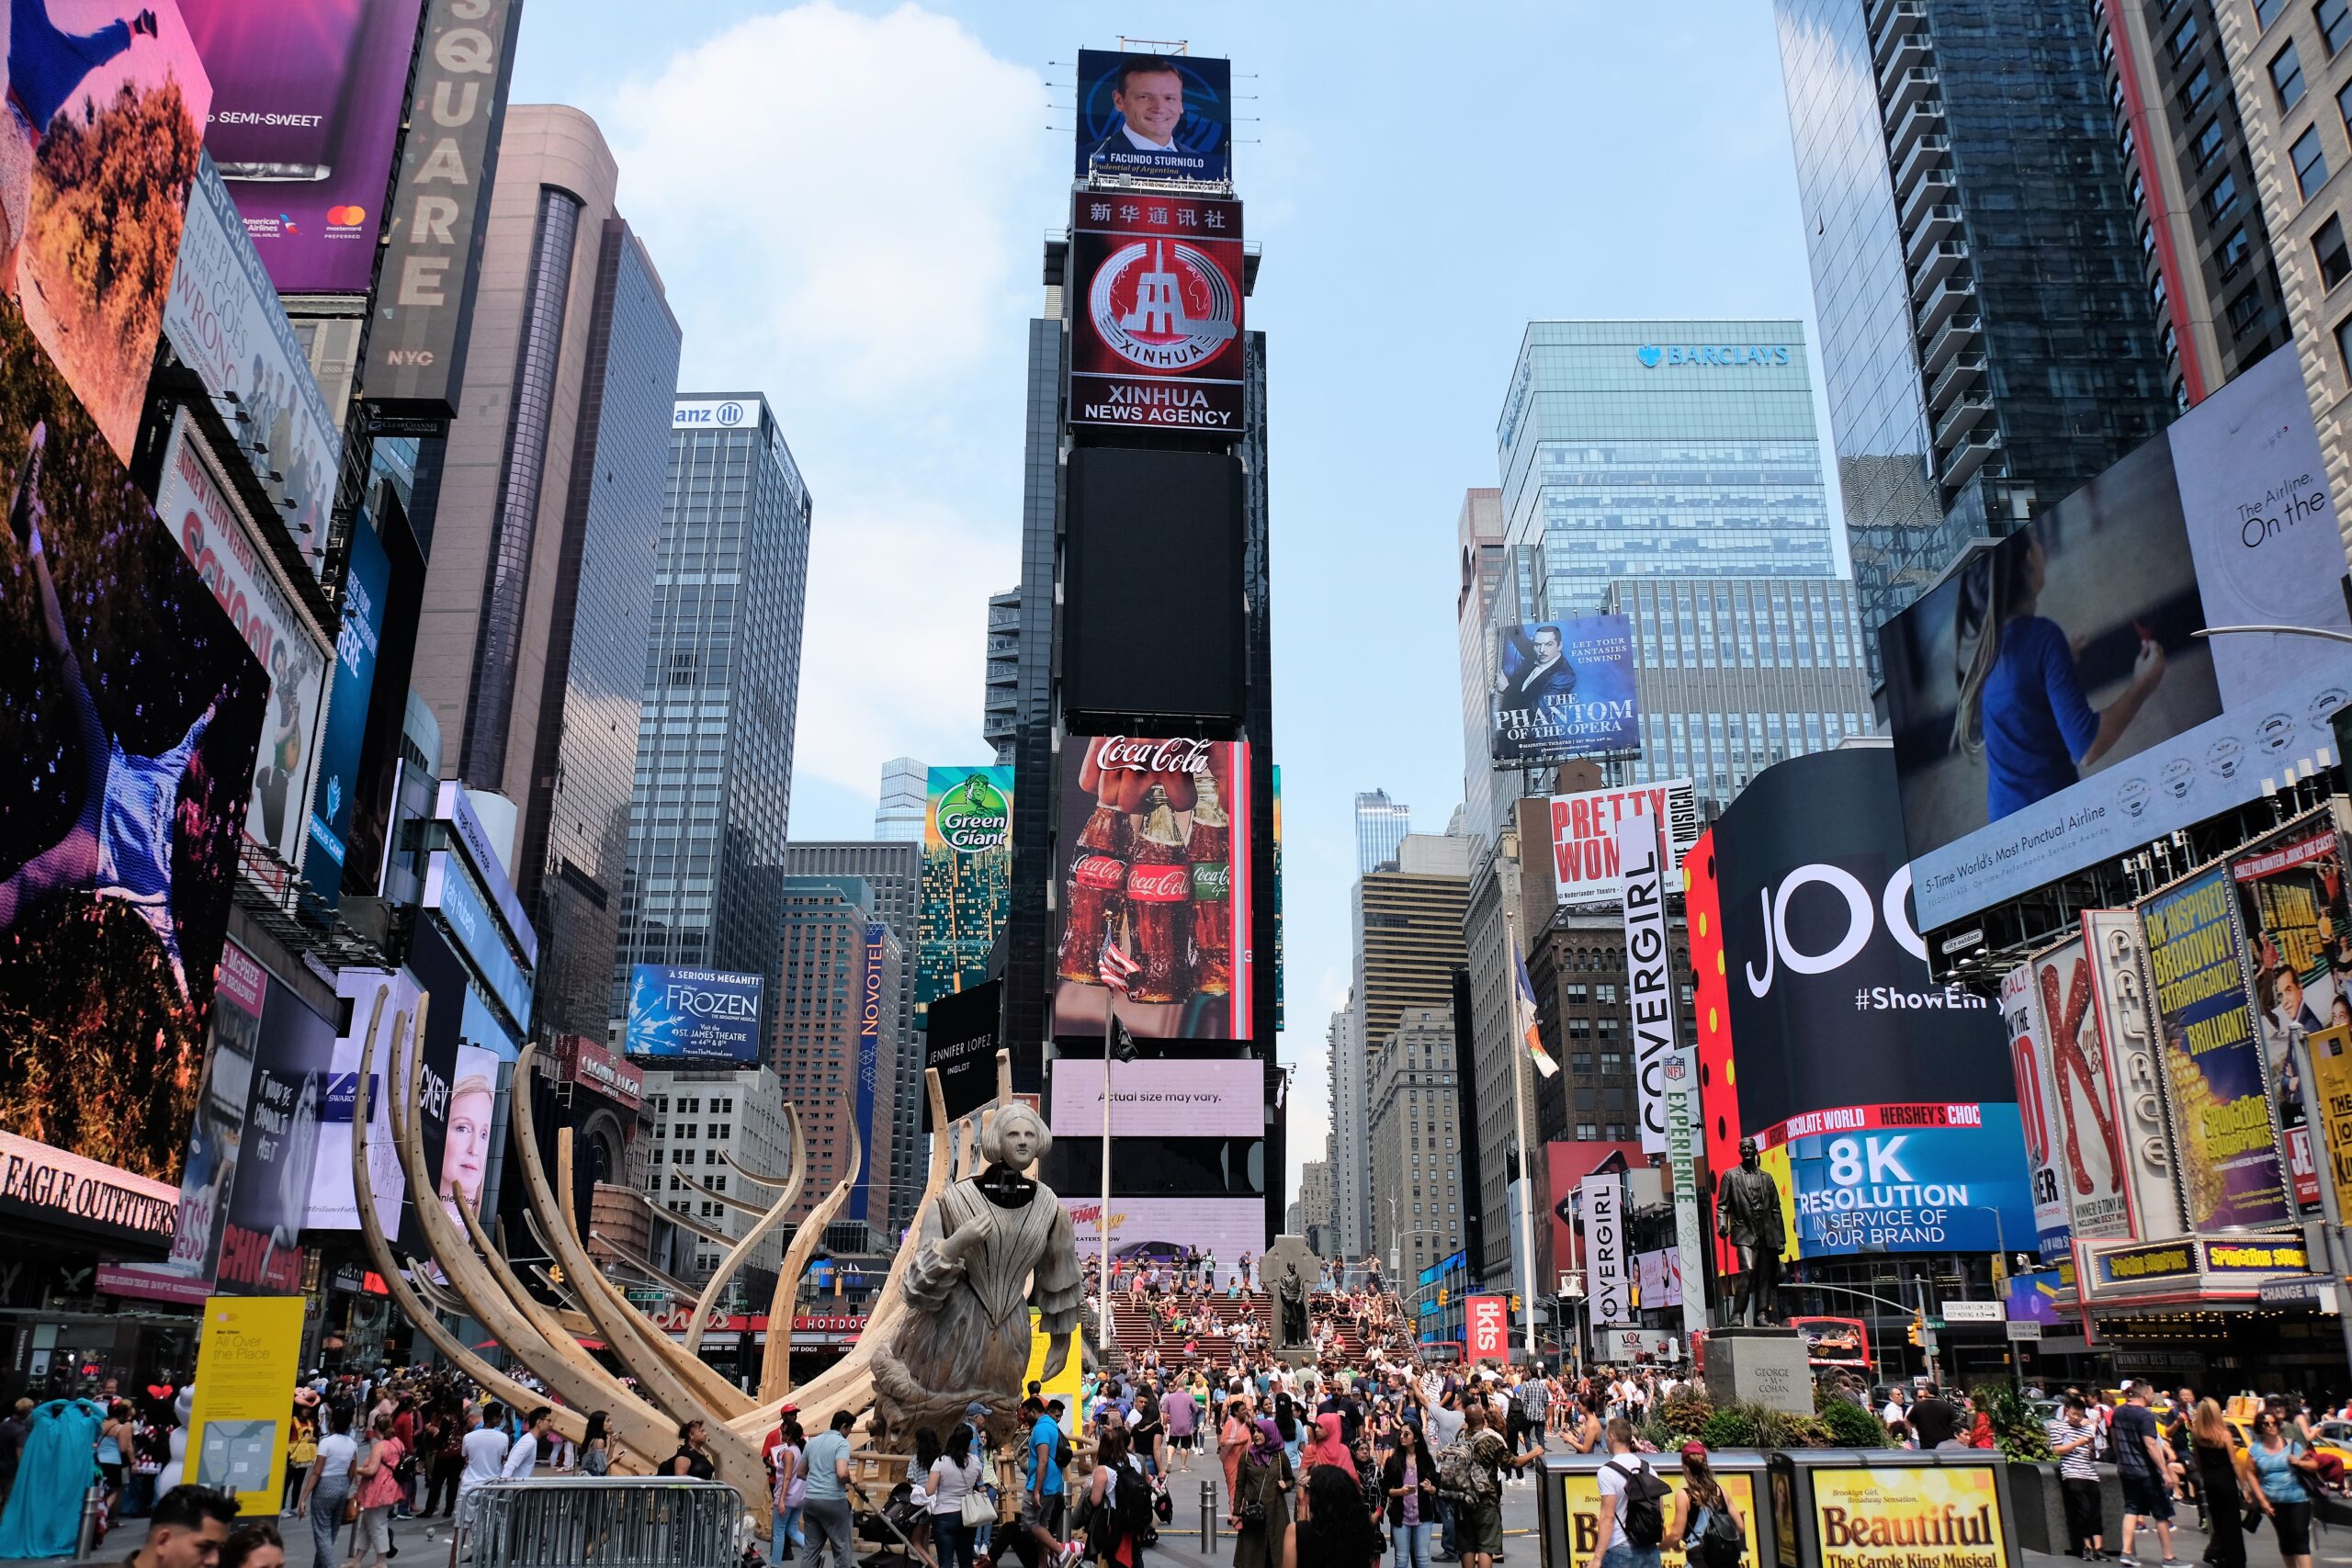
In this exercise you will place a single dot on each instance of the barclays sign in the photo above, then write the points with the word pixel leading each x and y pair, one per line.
pixel 1652 356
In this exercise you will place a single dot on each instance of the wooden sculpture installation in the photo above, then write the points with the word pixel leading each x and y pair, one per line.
pixel 949 1327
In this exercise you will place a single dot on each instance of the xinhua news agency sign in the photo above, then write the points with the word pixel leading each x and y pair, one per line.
pixel 1729 356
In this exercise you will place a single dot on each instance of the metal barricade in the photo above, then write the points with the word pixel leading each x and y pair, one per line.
pixel 635 1521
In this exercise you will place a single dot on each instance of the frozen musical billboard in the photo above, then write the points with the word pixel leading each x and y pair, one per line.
pixel 1156 323
pixel 1152 855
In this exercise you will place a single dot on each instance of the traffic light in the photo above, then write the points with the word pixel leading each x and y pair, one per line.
pixel 1441 1295
pixel 1914 1330
pixel 1514 1303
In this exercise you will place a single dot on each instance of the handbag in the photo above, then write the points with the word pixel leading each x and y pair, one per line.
pixel 978 1508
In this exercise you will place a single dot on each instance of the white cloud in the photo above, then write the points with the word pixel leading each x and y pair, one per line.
pixel 850 177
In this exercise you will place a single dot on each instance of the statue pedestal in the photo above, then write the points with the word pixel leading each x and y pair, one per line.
pixel 1759 1366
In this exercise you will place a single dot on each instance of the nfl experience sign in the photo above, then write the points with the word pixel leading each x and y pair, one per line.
pixel 1156 307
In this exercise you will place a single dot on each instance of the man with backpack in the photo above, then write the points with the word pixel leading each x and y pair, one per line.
pixel 1469 1475
pixel 1633 1504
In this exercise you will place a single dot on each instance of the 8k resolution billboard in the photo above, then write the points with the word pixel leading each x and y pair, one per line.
pixel 709 1013
pixel 1156 328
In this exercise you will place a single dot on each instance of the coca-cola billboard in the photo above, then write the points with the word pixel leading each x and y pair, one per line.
pixel 1155 332
pixel 1152 857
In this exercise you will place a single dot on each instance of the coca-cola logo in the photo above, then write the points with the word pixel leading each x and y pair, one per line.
pixel 1159 883
pixel 1099 870
pixel 1212 883
pixel 1120 754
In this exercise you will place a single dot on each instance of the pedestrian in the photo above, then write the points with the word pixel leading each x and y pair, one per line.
pixel 1700 1507
pixel 254 1545
pixel 693 1457
pixel 2281 1460
pixel 2072 1438
pixel 114 1452
pixel 446 1464
pixel 954 1476
pixel 2221 1484
pixel 1333 1526
pixel 2145 1467
pixel 485 1450
pixel 791 1474
pixel 832 1538
pixel 1233 1439
pixel 1259 1514
pixel 302 1449
pixel 1327 1445
pixel 186 1529
pixel 1409 1480
pixel 328 1485
pixel 14 1429
pixel 377 1490
pixel 1631 1493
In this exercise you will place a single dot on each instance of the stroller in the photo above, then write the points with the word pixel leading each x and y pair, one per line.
pixel 890 1526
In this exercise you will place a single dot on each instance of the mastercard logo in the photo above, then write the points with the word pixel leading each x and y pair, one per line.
pixel 346 215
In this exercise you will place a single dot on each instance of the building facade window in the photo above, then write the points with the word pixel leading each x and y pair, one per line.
pixel 2328 248
pixel 2287 77
pixel 2309 159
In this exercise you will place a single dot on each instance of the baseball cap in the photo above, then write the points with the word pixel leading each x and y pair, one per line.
pixel 1694 1449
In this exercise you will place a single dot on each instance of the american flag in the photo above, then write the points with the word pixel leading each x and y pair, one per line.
pixel 1523 1012
pixel 1115 967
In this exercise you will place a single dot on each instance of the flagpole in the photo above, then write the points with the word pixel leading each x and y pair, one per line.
pixel 1102 1328
pixel 1518 1136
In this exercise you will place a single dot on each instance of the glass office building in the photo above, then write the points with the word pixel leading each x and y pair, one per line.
pixel 1988 338
pixel 712 788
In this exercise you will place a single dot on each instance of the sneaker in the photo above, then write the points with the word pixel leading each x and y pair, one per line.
pixel 2127 1560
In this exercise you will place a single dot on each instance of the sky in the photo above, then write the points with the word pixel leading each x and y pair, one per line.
pixel 847 205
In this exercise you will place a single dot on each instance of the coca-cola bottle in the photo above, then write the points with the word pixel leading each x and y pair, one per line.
pixel 1211 852
pixel 1159 905
pixel 1096 894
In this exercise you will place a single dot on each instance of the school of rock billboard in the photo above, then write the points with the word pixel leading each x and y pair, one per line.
pixel 1156 906
pixel 1156 335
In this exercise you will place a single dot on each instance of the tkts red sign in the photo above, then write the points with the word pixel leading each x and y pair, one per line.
pixel 1156 340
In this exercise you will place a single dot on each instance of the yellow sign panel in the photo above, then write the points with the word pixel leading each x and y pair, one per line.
pixel 1885 1517
pixel 1581 1489
pixel 1065 1386
pixel 2331 1096
pixel 246 1365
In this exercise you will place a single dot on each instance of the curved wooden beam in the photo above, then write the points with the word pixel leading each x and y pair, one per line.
pixel 747 1173
pixel 738 1463
pixel 555 1360
pixel 776 1366
pixel 769 1219
pixel 718 1397
pixel 371 1230
pixel 552 1329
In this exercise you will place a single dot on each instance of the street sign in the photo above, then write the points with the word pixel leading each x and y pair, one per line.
pixel 643 1297
pixel 1974 1312
pixel 2024 1329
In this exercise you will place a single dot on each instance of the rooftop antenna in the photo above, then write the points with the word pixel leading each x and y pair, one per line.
pixel 1154 45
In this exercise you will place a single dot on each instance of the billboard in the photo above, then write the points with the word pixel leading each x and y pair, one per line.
pixel 1155 117
pixel 960 1045
pixel 2029 1065
pixel 306 118
pixel 1940 1177
pixel 331 1204
pixel 367 581
pixel 870 1068
pixel 424 291
pixel 2127 1031
pixel 1156 333
pixel 2297 931
pixel 1159 1229
pixel 130 710
pixel 1834 1341
pixel 1156 903
pixel 1584 835
pixel 967 879
pixel 2082 1095
pixel 1579 1494
pixel 2216 1088
pixel 107 105
pixel 2050 702
pixel 261 1252
pixel 1564 689
pixel 1658 1274
pixel 708 1014
pixel 203 513
pixel 1949 1514
pixel 1486 1328
pixel 1601 1199
pixel 467 1141
pixel 1159 1098
pixel 1662 1072
pixel 223 321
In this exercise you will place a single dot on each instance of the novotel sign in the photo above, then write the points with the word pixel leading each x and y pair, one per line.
pixel 1652 356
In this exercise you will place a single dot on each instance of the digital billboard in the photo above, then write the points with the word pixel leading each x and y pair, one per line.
pixel 366 582
pixel 1156 334
pixel 1157 117
pixel 1157 1098
pixel 466 1143
pixel 960 1045
pixel 331 1204
pixel 107 104
pixel 1564 689
pixel 306 118
pixel 1940 1177
pixel 261 1252
pixel 2029 1065
pixel 967 879
pixel 708 1014
pixel 2216 1088
pixel 196 502
pixel 1156 903
pixel 130 711
pixel 2050 704
pixel 2292 910
pixel 1584 835
pixel 1158 1230
pixel 223 321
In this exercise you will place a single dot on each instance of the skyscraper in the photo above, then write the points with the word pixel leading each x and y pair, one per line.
pixel 1478 534
pixel 722 682
pixel 1381 826
pixel 832 934
pixel 531 644
pixel 1987 340
pixel 897 815
pixel 1001 705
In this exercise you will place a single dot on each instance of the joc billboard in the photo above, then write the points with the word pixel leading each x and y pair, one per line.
pixel 1155 327
pixel 1564 689
pixel 1159 1098
pixel 1153 861
pixel 2050 702
pixel 1584 835
pixel 1159 117
pixel 967 879
pixel 306 118
pixel 130 707
pixel 707 1013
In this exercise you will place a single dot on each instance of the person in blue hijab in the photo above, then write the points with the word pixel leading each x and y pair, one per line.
pixel 44 1512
